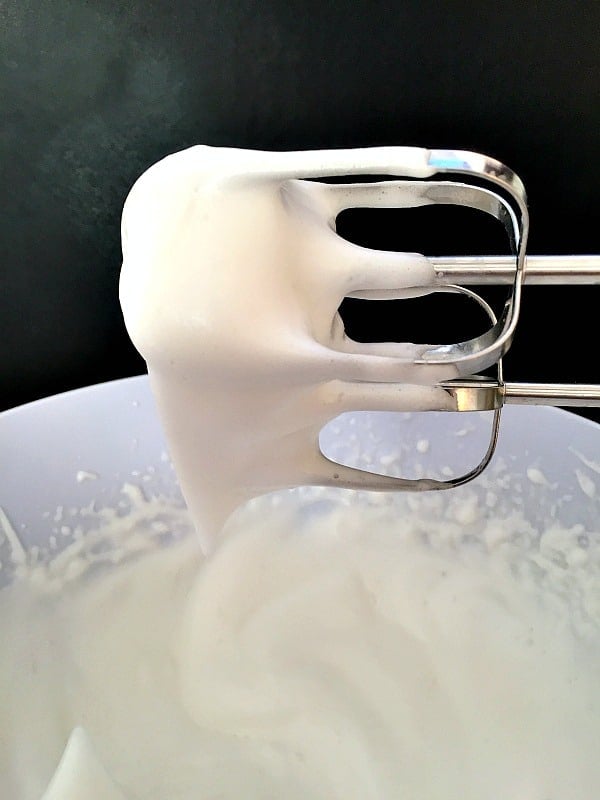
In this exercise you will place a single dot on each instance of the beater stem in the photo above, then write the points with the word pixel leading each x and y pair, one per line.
pixel 584 395
pixel 479 270
pixel 486 394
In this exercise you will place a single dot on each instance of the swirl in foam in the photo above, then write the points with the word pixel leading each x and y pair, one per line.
pixel 330 649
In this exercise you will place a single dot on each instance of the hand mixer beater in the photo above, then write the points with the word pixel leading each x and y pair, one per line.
pixel 233 275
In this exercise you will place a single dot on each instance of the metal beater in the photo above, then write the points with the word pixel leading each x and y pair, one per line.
pixel 507 203
pixel 267 384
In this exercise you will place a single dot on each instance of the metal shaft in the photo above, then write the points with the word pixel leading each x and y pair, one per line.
pixel 549 394
pixel 480 270
pixel 486 394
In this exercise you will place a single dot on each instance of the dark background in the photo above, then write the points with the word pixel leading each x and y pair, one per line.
pixel 94 92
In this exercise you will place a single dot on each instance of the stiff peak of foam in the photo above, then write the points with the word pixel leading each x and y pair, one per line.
pixel 231 283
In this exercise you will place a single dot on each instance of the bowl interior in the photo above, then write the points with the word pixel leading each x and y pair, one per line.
pixel 79 448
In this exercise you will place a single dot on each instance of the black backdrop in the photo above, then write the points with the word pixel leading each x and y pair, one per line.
pixel 94 91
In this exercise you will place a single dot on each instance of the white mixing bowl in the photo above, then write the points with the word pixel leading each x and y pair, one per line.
pixel 77 450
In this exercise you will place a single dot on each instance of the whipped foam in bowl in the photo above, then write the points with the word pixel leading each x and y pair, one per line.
pixel 314 642
pixel 334 644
